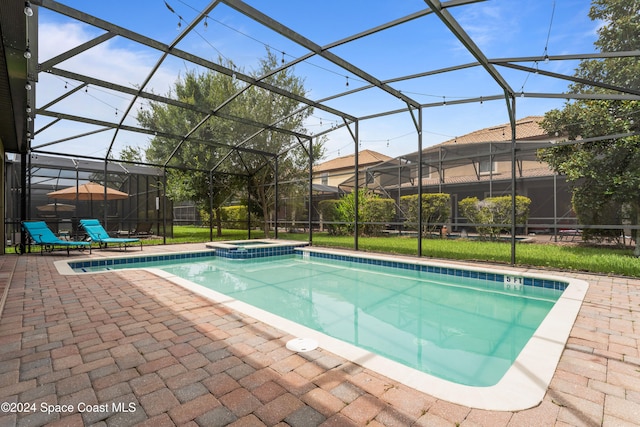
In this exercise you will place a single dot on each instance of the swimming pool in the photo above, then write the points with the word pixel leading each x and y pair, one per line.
pixel 472 328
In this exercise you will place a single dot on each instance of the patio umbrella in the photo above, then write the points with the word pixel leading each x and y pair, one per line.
pixel 56 207
pixel 90 191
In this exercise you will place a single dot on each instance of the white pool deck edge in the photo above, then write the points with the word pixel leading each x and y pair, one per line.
pixel 522 387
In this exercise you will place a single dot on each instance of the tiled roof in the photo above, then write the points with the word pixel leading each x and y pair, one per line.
pixel 365 158
pixel 527 128
pixel 499 176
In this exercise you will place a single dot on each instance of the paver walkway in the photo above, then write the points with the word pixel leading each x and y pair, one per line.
pixel 125 348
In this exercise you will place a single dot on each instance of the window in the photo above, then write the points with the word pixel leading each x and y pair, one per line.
pixel 325 178
pixel 487 166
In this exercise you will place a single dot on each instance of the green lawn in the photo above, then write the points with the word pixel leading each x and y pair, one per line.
pixel 604 260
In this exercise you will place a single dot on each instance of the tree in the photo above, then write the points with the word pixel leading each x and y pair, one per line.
pixel 293 154
pixel 604 172
pixel 204 166
pixel 132 154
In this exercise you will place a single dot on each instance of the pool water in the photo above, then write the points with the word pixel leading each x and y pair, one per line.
pixel 464 330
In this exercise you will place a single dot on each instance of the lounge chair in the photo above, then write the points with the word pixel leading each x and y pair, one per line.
pixel 42 236
pixel 143 229
pixel 98 234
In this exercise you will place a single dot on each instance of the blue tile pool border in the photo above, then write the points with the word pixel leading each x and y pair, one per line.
pixel 250 253
pixel 87 265
pixel 93 263
pixel 449 271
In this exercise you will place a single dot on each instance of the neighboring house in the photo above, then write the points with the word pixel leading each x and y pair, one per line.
pixel 335 172
pixel 477 164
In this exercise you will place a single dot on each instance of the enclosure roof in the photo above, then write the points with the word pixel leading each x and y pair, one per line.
pixel 370 73
pixel 84 165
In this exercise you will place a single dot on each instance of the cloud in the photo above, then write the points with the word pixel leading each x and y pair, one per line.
pixel 117 60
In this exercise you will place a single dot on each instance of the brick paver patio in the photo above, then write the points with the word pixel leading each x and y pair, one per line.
pixel 128 348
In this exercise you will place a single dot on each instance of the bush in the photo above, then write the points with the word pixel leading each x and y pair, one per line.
pixel 329 211
pixel 436 209
pixel 373 213
pixel 598 211
pixel 233 217
pixel 493 215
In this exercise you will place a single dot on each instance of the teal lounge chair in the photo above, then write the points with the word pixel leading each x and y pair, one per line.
pixel 42 236
pixel 98 234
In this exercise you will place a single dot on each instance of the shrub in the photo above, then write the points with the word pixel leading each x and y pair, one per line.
pixel 329 211
pixel 373 213
pixel 598 211
pixel 493 215
pixel 235 217
pixel 436 209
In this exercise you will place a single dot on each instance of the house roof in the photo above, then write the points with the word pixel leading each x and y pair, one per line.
pixel 527 128
pixel 540 172
pixel 365 158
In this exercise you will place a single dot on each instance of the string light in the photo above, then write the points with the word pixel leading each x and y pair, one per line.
pixel 27 85
pixel 27 9
pixel 27 52
pixel 347 80
pixel 282 57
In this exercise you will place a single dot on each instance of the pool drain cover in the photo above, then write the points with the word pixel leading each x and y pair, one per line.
pixel 302 345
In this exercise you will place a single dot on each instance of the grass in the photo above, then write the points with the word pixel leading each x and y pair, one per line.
pixel 603 260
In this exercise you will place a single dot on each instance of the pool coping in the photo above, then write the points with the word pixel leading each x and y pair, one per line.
pixel 523 386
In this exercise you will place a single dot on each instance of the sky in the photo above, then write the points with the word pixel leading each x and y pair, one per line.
pixel 500 28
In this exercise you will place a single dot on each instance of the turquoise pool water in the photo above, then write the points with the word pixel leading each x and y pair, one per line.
pixel 462 329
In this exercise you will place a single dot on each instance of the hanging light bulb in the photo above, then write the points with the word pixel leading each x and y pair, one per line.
pixel 27 85
pixel 282 57
pixel 27 9
pixel 28 109
pixel 546 58
pixel 206 24
pixel 29 118
pixel 27 53
pixel 522 94
pixel 347 80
